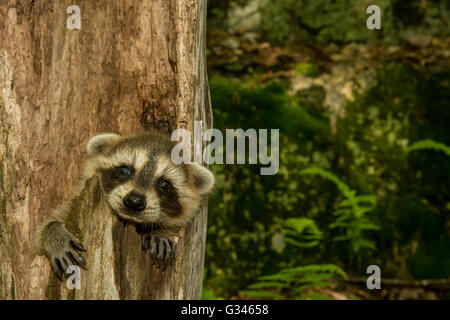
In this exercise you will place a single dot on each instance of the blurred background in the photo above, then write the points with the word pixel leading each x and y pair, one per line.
pixel 364 119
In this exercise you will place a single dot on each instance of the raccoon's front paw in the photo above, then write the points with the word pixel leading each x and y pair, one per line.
pixel 162 247
pixel 62 250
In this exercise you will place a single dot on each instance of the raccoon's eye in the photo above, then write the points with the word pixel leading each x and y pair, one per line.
pixel 164 185
pixel 124 171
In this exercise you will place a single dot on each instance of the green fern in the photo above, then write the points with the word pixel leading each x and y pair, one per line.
pixel 429 144
pixel 343 188
pixel 295 282
pixel 301 232
pixel 315 269
pixel 351 213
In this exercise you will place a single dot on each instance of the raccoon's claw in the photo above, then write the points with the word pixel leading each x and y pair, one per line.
pixel 62 250
pixel 57 268
pixel 161 248
pixel 61 263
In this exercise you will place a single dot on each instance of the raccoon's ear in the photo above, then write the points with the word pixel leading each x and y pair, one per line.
pixel 98 144
pixel 203 178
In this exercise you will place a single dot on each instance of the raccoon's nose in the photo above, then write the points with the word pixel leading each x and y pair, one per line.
pixel 134 201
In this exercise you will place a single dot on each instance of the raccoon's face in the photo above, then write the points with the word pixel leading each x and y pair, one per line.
pixel 141 183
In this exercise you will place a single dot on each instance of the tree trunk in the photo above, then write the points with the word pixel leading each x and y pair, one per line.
pixel 132 64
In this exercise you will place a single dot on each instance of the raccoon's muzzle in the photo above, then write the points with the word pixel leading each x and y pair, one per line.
pixel 135 201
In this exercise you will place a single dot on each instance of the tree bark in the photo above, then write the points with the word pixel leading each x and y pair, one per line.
pixel 132 65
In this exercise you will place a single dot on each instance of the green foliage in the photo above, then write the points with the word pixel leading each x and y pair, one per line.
pixel 433 15
pixel 351 213
pixel 411 187
pixel 267 106
pixel 261 225
pixel 307 69
pixel 249 210
pixel 429 144
pixel 342 20
pixel 301 232
pixel 218 11
pixel 294 283
pixel 208 294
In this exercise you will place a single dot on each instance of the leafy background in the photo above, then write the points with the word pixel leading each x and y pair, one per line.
pixel 364 120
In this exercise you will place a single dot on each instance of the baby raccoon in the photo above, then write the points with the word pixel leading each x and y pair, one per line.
pixel 142 186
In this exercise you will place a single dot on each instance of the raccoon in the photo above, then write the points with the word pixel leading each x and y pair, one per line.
pixel 142 186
